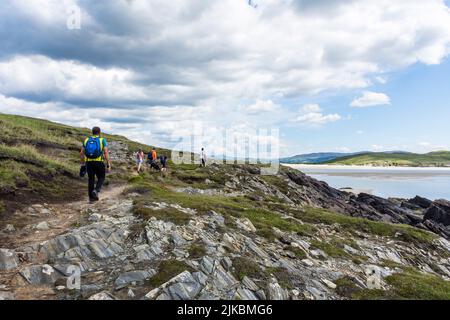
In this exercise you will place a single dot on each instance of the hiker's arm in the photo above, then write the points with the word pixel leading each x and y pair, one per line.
pixel 106 153
pixel 82 157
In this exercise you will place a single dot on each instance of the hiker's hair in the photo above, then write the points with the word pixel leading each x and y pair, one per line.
pixel 96 130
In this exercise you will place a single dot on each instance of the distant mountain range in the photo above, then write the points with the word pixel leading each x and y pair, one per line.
pixel 389 158
pixel 315 158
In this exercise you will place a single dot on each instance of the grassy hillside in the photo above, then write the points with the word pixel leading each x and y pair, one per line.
pixel 432 159
pixel 39 161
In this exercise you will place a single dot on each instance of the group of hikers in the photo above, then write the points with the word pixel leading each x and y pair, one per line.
pixel 95 151
pixel 152 160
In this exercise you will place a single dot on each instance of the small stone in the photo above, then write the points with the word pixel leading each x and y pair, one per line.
pixel 276 292
pixel 207 265
pixel 40 274
pixel 350 249
pixel 245 294
pixel 42 226
pixel 330 284
pixel 249 284
pixel 153 294
pixel 45 211
pixel 9 228
pixel 230 243
pixel 226 263
pixel 246 225
pixel 317 294
pixel 6 296
pixel 295 292
pixel 132 277
pixel 102 296
pixel 308 262
pixel 95 217
pixel 8 259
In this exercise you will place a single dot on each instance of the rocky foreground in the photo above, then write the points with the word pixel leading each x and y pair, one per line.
pixel 228 233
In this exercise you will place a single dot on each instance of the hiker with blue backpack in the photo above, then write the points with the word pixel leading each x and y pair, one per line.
pixel 93 152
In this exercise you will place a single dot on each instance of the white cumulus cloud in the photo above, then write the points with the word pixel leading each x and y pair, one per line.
pixel 311 114
pixel 370 99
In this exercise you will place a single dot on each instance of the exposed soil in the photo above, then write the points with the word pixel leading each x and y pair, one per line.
pixel 64 216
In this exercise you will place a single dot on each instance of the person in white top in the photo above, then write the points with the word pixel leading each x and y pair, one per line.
pixel 139 159
pixel 203 158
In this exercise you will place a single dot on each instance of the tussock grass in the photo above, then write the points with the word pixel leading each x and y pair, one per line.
pixel 404 232
pixel 168 269
pixel 299 253
pixel 167 214
pixel 196 250
pixel 409 284
pixel 243 266
pixel 29 155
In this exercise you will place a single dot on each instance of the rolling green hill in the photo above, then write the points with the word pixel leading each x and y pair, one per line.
pixel 432 159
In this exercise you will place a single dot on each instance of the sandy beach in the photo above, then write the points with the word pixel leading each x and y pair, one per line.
pixel 368 168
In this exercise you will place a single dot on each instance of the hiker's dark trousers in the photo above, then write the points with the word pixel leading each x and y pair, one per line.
pixel 95 169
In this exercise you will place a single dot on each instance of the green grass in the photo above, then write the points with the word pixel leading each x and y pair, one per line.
pixel 284 278
pixel 412 284
pixel 440 158
pixel 239 207
pixel 29 155
pixel 168 269
pixel 409 284
pixel 20 130
pixel 27 176
pixel 347 223
pixel 330 249
pixel 196 251
pixel 245 267
pixel 278 182
pixel 166 214
pixel 299 253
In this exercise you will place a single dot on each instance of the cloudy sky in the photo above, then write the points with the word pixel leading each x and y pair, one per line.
pixel 331 75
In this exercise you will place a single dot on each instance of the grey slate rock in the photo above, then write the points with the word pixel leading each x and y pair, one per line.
pixel 8 259
pixel 41 274
pixel 130 277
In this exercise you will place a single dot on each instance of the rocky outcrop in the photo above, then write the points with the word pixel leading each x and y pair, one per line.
pixel 420 202
pixel 418 211
pixel 439 212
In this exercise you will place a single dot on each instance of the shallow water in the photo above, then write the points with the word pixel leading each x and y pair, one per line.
pixel 431 183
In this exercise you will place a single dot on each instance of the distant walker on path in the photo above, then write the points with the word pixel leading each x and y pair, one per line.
pixel 92 154
pixel 203 158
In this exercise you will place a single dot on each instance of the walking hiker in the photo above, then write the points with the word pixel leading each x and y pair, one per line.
pixel 203 158
pixel 92 154
pixel 152 158
pixel 139 159
pixel 163 161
